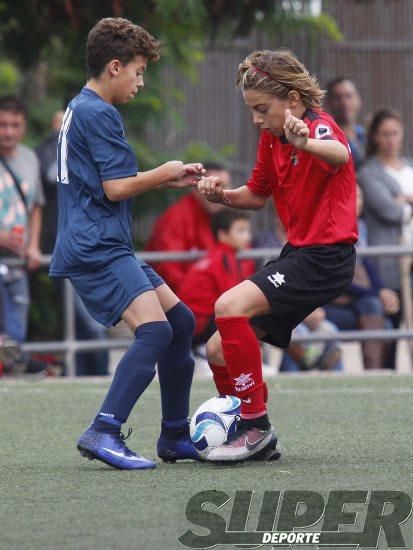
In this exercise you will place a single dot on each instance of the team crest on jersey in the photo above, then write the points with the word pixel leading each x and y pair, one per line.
pixel 322 130
pixel 294 159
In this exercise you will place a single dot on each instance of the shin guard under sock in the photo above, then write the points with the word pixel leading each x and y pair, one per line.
pixel 242 356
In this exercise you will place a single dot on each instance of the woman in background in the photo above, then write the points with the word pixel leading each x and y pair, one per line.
pixel 386 180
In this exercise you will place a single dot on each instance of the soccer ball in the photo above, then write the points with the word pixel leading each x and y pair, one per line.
pixel 212 422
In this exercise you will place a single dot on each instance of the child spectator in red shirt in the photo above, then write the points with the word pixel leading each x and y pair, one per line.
pixel 219 271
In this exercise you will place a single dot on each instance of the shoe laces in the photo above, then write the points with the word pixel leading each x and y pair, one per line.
pixel 124 437
pixel 241 428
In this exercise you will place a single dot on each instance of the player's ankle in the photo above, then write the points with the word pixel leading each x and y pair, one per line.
pixel 106 425
pixel 262 422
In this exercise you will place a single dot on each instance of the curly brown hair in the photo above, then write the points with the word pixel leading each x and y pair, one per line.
pixel 117 38
pixel 277 73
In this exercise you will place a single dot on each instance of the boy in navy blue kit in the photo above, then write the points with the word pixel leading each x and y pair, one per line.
pixel 97 177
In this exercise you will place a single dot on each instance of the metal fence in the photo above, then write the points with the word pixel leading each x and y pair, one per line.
pixel 69 345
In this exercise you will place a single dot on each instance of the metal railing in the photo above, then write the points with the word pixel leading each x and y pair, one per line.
pixel 69 345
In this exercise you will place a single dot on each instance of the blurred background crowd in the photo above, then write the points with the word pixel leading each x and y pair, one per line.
pixel 191 110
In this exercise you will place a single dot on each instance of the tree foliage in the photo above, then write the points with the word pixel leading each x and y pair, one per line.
pixel 29 27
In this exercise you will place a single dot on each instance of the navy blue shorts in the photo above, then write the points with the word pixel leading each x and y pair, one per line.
pixel 108 291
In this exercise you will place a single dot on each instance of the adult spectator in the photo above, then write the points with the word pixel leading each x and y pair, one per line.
pixel 386 209
pixel 344 103
pixel 186 226
pixel 219 271
pixel 366 303
pixel 21 200
pixel 88 363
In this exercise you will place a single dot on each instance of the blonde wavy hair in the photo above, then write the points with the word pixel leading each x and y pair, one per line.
pixel 277 73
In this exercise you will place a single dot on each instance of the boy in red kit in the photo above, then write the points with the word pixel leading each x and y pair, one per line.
pixel 304 163
pixel 219 271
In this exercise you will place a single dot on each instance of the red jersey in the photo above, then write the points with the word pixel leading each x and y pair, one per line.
pixel 315 201
pixel 184 226
pixel 209 278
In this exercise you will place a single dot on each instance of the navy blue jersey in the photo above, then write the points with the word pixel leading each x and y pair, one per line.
pixel 92 230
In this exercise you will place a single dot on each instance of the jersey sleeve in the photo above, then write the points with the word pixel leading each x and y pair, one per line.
pixel 110 150
pixel 324 130
pixel 263 176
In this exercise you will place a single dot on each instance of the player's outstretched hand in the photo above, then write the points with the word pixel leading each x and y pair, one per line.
pixel 212 189
pixel 296 130
pixel 183 175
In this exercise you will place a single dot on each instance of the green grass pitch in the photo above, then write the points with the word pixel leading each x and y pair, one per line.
pixel 337 432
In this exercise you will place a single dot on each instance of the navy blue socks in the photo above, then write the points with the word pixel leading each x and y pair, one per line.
pixel 134 373
pixel 176 367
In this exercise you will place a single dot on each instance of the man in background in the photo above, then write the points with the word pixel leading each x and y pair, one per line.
pixel 343 101
pixel 21 201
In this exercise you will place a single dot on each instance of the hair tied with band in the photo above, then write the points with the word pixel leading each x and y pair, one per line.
pixel 261 71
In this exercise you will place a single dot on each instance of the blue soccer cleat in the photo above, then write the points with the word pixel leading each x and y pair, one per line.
pixel 176 444
pixel 111 449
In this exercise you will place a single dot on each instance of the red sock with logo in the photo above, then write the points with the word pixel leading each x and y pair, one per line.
pixel 242 356
pixel 222 380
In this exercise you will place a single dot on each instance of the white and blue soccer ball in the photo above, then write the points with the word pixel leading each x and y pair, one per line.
pixel 213 422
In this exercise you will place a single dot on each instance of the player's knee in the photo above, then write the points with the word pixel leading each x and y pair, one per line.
pixel 161 333
pixel 214 351
pixel 186 322
pixel 227 306
pixel 182 320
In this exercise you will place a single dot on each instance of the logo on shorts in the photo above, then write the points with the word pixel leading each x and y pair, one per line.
pixel 277 279
pixel 243 382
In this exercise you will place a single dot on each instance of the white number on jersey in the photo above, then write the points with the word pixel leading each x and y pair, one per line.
pixel 62 174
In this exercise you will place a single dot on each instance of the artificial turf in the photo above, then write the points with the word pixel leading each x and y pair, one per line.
pixel 337 432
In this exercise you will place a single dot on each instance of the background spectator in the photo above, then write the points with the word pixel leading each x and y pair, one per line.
pixel 88 363
pixel 21 199
pixel 344 103
pixel 219 271
pixel 186 226
pixel 313 355
pixel 366 303
pixel 386 210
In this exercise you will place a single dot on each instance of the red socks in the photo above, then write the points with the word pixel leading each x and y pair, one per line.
pixel 243 362
pixel 222 380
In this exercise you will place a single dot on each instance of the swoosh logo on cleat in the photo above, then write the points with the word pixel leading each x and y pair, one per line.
pixel 121 455
pixel 252 446
pixel 246 400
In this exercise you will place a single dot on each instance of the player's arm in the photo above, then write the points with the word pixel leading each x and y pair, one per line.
pixel 242 198
pixel 331 151
pixel 298 134
pixel 173 174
